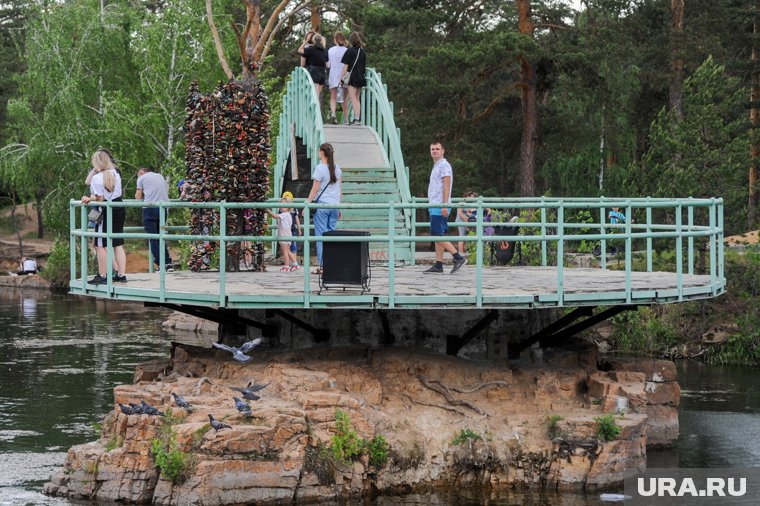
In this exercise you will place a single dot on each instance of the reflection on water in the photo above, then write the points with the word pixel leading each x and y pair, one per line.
pixel 60 358
pixel 719 416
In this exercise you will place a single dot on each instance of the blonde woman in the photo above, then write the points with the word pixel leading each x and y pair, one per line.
pixel 314 58
pixel 106 186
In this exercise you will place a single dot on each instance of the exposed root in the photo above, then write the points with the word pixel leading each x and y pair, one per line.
pixel 429 404
pixel 445 391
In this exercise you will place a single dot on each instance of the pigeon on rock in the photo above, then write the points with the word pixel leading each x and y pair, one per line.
pixel 182 403
pixel 125 409
pixel 242 406
pixel 136 409
pixel 239 354
pixel 216 424
pixel 150 410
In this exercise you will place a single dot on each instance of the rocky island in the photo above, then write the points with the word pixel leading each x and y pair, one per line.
pixel 348 422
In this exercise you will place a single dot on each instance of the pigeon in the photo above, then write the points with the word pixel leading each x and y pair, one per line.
pixel 249 390
pixel 239 354
pixel 125 409
pixel 182 403
pixel 216 424
pixel 150 410
pixel 242 406
pixel 136 409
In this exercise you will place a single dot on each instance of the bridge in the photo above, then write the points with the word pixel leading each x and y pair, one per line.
pixel 672 251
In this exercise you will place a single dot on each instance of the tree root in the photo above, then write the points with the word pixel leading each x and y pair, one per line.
pixel 445 391
pixel 441 406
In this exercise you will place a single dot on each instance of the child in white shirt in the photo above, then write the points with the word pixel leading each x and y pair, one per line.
pixel 284 224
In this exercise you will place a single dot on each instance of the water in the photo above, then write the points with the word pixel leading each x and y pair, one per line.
pixel 60 358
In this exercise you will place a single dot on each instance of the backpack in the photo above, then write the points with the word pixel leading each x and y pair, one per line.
pixel 503 251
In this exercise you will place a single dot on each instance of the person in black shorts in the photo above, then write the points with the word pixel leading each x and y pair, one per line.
pixel 314 58
pixel 354 64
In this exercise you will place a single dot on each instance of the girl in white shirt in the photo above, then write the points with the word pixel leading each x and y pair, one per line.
pixel 106 186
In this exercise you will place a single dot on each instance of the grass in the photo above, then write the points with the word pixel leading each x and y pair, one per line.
pixel 607 428
pixel 174 464
pixel 464 436
pixel 551 425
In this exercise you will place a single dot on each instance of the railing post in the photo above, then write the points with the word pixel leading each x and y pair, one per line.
pixel 413 234
pixel 222 253
pixel 391 257
pixel 649 233
pixel 72 245
pixel 84 249
pixel 109 247
pixel 690 239
pixel 479 255
pixel 603 241
pixel 720 245
pixel 306 256
pixel 560 253
pixel 161 253
pixel 713 241
pixel 679 250
pixel 544 259
pixel 628 251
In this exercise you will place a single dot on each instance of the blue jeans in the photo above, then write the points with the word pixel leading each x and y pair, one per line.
pixel 151 224
pixel 325 220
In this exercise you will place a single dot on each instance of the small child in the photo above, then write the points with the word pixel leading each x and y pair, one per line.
pixel 615 216
pixel 284 223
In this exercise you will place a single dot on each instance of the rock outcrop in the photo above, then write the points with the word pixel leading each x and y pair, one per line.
pixel 447 422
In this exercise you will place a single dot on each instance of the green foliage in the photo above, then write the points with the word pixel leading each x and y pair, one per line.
pixel 551 425
pixel 607 428
pixel 377 448
pixel 57 267
pixel 346 444
pixel 174 464
pixel 643 332
pixel 465 436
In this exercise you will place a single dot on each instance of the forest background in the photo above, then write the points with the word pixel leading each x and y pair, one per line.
pixel 625 98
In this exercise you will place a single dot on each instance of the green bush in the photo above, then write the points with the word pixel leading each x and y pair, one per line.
pixel 346 444
pixel 57 266
pixel 377 449
pixel 464 436
pixel 607 428
pixel 174 464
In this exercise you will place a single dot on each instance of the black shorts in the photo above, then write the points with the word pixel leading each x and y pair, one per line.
pixel 318 74
pixel 119 215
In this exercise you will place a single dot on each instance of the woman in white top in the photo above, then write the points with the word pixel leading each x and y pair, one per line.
pixel 326 189
pixel 106 186
pixel 337 90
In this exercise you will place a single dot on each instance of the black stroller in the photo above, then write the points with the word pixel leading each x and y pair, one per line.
pixel 502 252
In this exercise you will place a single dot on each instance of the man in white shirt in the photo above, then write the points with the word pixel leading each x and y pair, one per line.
pixel 152 188
pixel 439 192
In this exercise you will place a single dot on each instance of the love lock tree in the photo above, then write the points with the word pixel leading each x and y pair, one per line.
pixel 228 143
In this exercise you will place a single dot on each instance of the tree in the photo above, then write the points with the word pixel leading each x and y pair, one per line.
pixel 712 140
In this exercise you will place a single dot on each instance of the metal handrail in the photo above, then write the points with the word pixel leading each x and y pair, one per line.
pixel 551 229
pixel 302 111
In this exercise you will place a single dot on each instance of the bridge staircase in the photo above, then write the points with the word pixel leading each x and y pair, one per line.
pixel 369 156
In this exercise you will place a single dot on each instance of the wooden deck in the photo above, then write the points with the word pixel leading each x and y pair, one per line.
pixel 502 287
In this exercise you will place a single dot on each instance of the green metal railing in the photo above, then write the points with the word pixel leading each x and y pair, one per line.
pixel 302 116
pixel 666 221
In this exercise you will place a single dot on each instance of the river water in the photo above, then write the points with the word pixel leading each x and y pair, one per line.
pixel 60 358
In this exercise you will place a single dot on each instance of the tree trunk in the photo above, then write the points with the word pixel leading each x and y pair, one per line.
pixel 17 228
pixel 529 111
pixel 316 19
pixel 676 58
pixel 40 225
pixel 754 119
